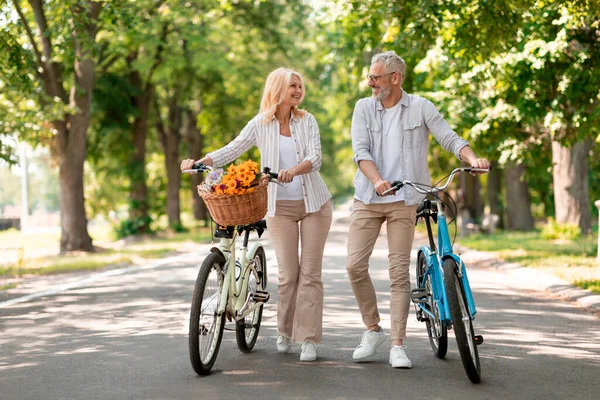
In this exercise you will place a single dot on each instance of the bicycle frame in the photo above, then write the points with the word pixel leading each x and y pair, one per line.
pixel 234 289
pixel 434 259
pixel 443 297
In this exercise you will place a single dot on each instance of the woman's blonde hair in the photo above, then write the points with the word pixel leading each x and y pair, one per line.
pixel 276 88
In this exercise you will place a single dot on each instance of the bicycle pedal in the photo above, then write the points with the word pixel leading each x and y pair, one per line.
pixel 260 296
pixel 418 295
pixel 478 339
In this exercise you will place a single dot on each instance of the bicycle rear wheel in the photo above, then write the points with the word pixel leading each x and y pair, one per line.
pixel 246 329
pixel 436 329
pixel 206 327
pixel 461 321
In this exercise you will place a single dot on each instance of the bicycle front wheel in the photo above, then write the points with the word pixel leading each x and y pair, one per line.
pixel 436 329
pixel 461 321
pixel 246 329
pixel 206 326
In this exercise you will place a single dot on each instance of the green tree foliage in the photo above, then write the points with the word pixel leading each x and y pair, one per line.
pixel 511 76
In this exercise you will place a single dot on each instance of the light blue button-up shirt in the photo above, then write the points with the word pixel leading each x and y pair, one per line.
pixel 419 118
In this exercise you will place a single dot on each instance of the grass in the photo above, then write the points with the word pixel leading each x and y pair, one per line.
pixel 8 286
pixel 574 261
pixel 37 254
pixel 593 285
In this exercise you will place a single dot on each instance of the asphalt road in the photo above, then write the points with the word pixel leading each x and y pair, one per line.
pixel 122 334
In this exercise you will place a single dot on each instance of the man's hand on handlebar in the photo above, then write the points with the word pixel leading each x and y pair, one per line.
pixel 480 163
pixel 382 186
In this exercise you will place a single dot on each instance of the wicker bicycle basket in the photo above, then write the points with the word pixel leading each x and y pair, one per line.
pixel 238 209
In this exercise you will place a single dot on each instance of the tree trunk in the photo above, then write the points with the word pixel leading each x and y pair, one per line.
pixel 173 179
pixel 494 195
pixel 70 142
pixel 470 205
pixel 138 195
pixel 518 201
pixel 571 191
pixel 170 139
pixel 73 221
pixel 194 142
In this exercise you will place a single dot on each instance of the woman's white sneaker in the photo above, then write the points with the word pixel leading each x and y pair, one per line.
pixel 368 344
pixel 398 357
pixel 309 351
pixel 284 344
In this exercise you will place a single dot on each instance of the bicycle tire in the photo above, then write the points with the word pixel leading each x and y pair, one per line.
pixel 246 333
pixel 437 340
pixel 203 353
pixel 461 321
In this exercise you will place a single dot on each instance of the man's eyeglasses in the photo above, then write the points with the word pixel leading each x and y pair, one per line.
pixel 375 77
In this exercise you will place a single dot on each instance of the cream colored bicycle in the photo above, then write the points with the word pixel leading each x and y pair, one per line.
pixel 229 288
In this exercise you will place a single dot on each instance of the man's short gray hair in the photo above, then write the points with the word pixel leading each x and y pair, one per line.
pixel 392 61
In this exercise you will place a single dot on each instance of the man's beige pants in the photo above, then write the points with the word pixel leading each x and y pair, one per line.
pixel 367 220
pixel 300 290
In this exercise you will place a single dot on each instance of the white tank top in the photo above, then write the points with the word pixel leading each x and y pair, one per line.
pixel 287 160
pixel 392 146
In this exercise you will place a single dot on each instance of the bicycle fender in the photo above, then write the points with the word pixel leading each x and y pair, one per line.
pixel 465 281
pixel 455 257
pixel 252 252
pixel 218 251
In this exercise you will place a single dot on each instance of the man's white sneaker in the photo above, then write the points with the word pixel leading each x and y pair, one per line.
pixel 284 344
pixel 368 344
pixel 398 357
pixel 309 351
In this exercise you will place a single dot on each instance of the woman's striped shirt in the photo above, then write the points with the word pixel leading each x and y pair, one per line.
pixel 265 135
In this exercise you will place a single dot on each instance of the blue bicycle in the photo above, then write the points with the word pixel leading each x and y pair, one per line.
pixel 442 296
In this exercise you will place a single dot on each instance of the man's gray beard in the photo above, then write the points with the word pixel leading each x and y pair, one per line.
pixel 383 93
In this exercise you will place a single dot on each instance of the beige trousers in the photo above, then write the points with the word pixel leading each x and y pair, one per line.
pixel 300 290
pixel 365 226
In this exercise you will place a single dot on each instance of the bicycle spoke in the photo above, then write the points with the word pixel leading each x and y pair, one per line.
pixel 208 315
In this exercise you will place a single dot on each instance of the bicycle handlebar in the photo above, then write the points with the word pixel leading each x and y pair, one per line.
pixel 396 185
pixel 197 167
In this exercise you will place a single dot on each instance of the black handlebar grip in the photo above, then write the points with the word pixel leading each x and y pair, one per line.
pixel 398 184
pixel 199 166
pixel 267 171
pixel 470 169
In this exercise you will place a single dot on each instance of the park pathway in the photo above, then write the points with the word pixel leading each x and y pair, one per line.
pixel 123 335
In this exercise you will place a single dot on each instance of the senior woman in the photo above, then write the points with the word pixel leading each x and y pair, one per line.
pixel 299 213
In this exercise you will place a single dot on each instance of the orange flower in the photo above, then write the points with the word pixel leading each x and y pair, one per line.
pixel 238 179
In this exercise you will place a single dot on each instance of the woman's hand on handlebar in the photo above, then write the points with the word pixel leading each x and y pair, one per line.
pixel 188 163
pixel 285 176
